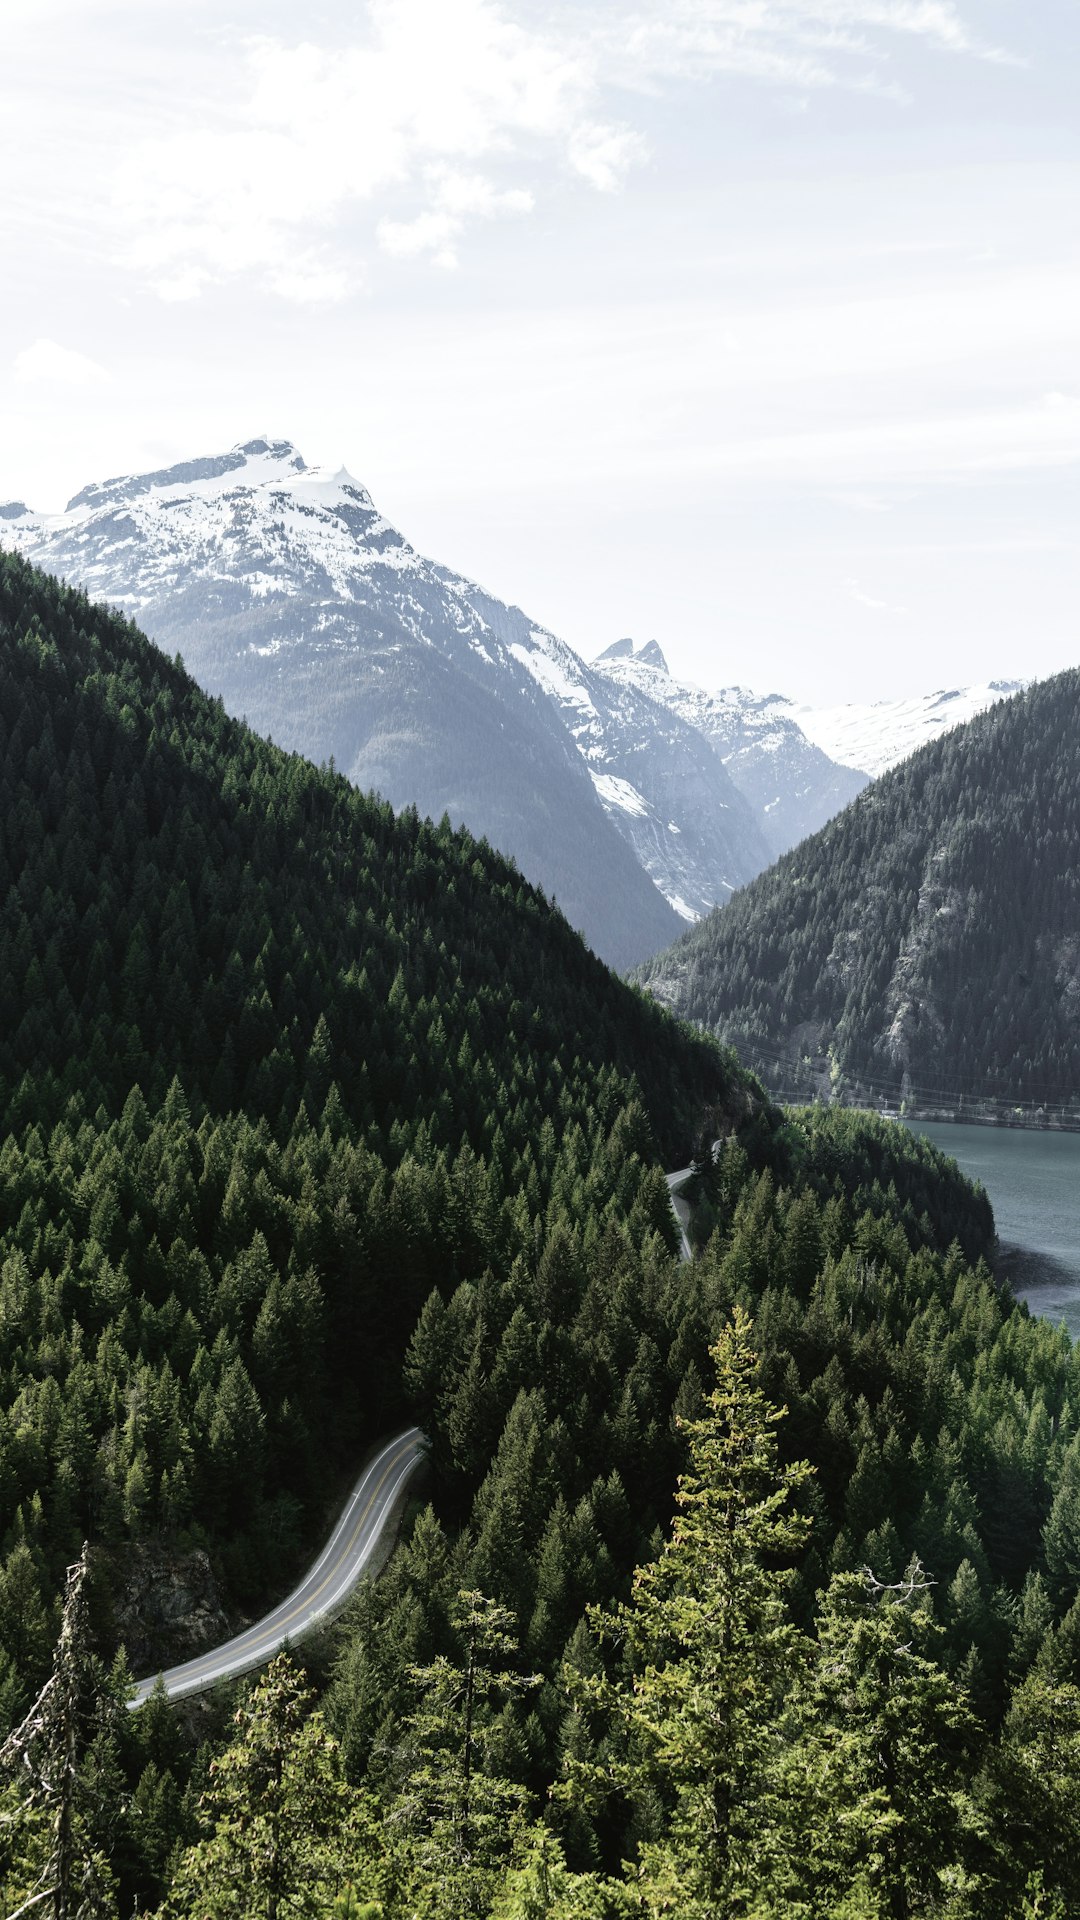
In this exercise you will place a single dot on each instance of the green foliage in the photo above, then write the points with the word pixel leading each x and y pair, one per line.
pixel 709 1647
pixel 277 1838
pixel 457 1811
pixel 57 1828
pixel 928 930
pixel 876 1783
pixel 309 1115
pixel 274 1064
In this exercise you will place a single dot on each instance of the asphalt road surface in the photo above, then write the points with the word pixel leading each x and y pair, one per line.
pixel 680 1208
pixel 322 1590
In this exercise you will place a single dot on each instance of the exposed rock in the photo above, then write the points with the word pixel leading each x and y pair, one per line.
pixel 168 1607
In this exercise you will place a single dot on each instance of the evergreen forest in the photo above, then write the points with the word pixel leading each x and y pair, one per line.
pixel 744 1585
pixel 924 944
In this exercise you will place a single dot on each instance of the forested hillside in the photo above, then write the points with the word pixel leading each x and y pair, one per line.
pixel 273 1063
pixel 318 1119
pixel 930 931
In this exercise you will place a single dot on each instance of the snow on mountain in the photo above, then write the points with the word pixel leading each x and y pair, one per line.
pixel 638 800
pixel 292 597
pixel 878 736
pixel 657 779
pixel 790 784
pixel 257 517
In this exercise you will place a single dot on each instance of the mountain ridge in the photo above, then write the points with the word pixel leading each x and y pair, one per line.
pixel 924 938
pixel 791 785
pixel 636 800
pixel 877 735
pixel 292 597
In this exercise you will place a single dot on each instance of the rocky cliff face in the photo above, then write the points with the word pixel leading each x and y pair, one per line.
pixel 790 786
pixel 167 1608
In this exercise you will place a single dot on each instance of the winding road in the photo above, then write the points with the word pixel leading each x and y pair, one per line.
pixel 322 1590
pixel 680 1208
pixel 345 1556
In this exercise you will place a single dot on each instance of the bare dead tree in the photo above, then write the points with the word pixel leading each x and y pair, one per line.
pixel 44 1755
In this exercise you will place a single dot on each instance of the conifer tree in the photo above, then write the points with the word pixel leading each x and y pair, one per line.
pixel 880 1813
pixel 457 1811
pixel 276 1814
pixel 710 1650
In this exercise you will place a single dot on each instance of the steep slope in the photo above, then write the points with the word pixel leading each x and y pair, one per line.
pixel 290 596
pixel 880 735
pixel 669 795
pixel 273 1065
pixel 406 1080
pixel 124 784
pixel 791 786
pixel 927 940
pixel 288 593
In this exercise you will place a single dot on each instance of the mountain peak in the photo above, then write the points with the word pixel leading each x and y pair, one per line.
pixel 652 656
pixel 276 449
pixel 260 459
pixel 649 655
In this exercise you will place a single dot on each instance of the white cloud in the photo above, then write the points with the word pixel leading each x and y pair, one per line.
pixel 862 599
pixel 603 155
pixel 799 43
pixel 423 121
pixel 47 363
pixel 457 198
pixel 314 150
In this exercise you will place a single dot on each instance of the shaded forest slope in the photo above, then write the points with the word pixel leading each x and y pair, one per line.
pixel 931 931
pixel 273 1064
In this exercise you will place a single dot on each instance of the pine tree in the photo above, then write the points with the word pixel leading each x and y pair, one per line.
pixel 710 1650
pixel 1033 1791
pixel 457 1811
pixel 277 1815
pixel 876 1782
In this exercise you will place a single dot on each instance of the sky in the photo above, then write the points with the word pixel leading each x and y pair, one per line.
pixel 749 326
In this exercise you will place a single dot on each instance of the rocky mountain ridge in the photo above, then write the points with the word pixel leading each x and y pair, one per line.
pixel 922 946
pixel 791 785
pixel 639 802
pixel 878 735
pixel 292 597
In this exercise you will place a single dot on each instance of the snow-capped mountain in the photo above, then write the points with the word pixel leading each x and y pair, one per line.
pixel 790 784
pixel 289 594
pixel 878 736
pixel 654 774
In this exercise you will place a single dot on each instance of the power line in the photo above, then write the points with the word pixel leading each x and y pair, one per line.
pixel 753 1051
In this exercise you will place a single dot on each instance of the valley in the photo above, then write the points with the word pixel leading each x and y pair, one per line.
pixel 636 801
pixel 539 961
pixel 319 1123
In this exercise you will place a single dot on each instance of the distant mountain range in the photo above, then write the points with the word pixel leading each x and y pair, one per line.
pixel 792 785
pixel 637 801
pixel 880 736
pixel 926 943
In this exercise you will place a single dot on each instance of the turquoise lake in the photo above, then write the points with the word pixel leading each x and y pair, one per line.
pixel 1033 1180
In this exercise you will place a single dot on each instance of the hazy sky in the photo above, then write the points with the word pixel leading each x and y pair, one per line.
pixel 749 325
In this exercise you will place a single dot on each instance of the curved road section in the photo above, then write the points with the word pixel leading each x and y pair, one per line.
pixel 345 1555
pixel 335 1573
pixel 680 1208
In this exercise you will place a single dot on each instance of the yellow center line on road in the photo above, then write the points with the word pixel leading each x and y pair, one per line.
pixel 354 1536
pixel 252 1639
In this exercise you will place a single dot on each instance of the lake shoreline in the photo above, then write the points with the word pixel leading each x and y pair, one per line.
pixel 1032 1176
pixel 1010 1122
